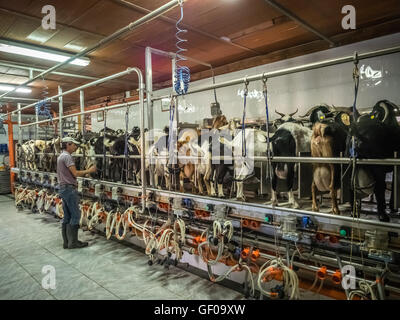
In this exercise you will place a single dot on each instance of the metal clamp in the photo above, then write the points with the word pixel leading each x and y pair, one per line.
pixel 246 84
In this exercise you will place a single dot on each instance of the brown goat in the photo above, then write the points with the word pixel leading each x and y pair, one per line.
pixel 323 174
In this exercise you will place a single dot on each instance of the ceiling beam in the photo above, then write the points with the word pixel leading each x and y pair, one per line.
pixel 140 9
pixel 298 20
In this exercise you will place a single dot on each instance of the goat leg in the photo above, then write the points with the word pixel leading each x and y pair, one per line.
pixel 315 206
pixel 333 191
pixel 335 208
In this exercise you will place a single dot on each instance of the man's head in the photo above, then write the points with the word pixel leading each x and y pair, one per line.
pixel 69 144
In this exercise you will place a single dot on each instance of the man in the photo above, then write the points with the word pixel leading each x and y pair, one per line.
pixel 67 174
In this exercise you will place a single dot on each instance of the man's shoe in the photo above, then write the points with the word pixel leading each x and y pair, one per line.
pixel 73 241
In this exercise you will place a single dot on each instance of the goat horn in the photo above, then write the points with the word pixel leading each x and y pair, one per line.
pixel 310 111
pixel 385 108
pixel 292 114
pixel 281 114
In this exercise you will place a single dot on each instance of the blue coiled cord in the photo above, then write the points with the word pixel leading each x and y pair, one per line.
pixel 182 73
pixel 43 106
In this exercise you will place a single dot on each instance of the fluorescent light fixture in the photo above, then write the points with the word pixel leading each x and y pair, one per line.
pixel 40 54
pixel 6 87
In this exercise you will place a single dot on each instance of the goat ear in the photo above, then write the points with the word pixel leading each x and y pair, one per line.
pixel 187 139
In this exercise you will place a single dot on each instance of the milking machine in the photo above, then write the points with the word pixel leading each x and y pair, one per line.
pixel 274 252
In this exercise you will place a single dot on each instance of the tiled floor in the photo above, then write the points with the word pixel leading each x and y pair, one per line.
pixel 104 270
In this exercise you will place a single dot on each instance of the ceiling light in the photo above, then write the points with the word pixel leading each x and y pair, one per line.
pixel 6 87
pixel 39 53
pixel 226 39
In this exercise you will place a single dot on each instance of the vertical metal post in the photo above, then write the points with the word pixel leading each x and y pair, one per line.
pixel 19 124
pixel 394 185
pixel 60 113
pixel 82 103
pixel 149 89
pixel 19 163
pixel 30 73
pixel 299 193
pixel 341 181
pixel 173 70
pixel 37 125
pixel 143 142
pixel 149 96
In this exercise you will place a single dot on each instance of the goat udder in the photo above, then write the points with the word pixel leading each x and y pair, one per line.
pixel 282 174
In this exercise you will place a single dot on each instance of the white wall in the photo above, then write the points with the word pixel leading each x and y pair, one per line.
pixel 332 85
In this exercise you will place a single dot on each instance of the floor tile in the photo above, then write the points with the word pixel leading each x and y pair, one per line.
pixel 38 295
pixel 156 293
pixel 96 294
pixel 72 286
pixel 18 289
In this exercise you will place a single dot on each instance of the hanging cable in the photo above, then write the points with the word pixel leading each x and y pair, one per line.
pixel 269 152
pixel 215 90
pixel 104 146
pixel 356 78
pixel 171 123
pixel 126 159
pixel 182 73
pixel 244 151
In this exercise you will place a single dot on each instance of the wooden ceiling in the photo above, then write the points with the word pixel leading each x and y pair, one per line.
pixel 256 34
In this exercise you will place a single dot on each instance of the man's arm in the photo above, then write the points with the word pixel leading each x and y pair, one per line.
pixel 81 173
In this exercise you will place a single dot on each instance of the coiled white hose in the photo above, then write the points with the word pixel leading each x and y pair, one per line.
pixel 96 209
pixel 110 223
pixel 59 208
pixel 41 200
pixel 365 289
pixel 86 207
pixel 290 278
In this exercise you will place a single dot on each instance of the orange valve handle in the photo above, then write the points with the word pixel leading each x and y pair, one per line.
pixel 319 236
pixel 197 240
pixel 254 224
pixel 321 273
pixel 245 253
pixel 255 254
pixel 333 239
pixel 273 274
pixel 337 277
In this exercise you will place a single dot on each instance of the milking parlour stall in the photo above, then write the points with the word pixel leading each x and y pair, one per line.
pixel 224 150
